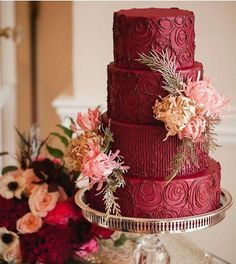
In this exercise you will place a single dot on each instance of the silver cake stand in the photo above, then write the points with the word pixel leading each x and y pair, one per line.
pixel 150 249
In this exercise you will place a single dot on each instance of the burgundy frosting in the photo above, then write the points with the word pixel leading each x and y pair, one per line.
pixel 141 30
pixel 190 195
pixel 132 93
pixel 146 153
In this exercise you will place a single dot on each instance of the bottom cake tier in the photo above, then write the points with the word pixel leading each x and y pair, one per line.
pixel 153 198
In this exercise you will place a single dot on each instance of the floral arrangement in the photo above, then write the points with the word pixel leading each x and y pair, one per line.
pixel 89 154
pixel 191 110
pixel 39 221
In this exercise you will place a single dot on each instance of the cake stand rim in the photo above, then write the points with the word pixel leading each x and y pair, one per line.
pixel 103 220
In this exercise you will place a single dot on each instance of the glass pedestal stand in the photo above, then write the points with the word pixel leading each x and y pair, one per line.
pixel 150 250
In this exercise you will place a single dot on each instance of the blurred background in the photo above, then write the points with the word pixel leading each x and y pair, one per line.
pixel 53 58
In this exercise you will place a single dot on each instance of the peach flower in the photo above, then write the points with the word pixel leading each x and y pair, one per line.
pixel 89 121
pixel 194 130
pixel 79 147
pixel 175 112
pixel 41 201
pixel 30 180
pixel 12 184
pixel 205 95
pixel 29 223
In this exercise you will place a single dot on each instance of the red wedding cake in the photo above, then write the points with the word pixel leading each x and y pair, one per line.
pixel 132 91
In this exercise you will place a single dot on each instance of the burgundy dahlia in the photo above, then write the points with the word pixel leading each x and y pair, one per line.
pixel 11 210
pixel 51 245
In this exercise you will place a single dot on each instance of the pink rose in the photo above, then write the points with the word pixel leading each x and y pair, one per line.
pixel 30 180
pixel 88 248
pixel 41 201
pixel 205 95
pixel 29 224
pixel 194 129
pixel 89 121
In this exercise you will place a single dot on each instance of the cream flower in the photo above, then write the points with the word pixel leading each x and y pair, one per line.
pixel 13 254
pixel 41 201
pixel 175 112
pixel 12 184
pixel 8 239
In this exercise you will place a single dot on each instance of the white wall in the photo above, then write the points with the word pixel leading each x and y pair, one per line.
pixel 215 47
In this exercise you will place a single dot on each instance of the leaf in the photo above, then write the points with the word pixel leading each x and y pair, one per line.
pixel 66 130
pixel 121 240
pixel 23 139
pixel 57 153
pixel 42 144
pixel 63 139
pixel 8 169
pixel 71 120
pixel 4 153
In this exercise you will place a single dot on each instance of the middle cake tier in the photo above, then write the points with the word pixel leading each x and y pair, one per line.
pixel 132 93
pixel 147 155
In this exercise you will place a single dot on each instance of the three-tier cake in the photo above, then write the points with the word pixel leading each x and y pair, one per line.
pixel 132 91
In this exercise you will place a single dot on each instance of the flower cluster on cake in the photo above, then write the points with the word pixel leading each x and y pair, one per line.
pixel 162 113
pixel 39 220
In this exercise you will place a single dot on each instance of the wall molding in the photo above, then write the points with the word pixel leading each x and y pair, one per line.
pixel 5 92
pixel 69 106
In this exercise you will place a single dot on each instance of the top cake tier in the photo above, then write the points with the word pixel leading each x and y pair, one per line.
pixel 141 30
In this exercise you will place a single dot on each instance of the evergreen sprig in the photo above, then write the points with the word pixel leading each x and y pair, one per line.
pixel 114 181
pixel 173 80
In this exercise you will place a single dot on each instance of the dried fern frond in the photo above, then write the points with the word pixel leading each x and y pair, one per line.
pixel 210 142
pixel 185 153
pixel 161 62
pixel 114 181
pixel 107 139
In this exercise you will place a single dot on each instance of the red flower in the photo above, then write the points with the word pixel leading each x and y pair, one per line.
pixel 87 248
pixel 51 245
pixel 11 210
pixel 63 212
